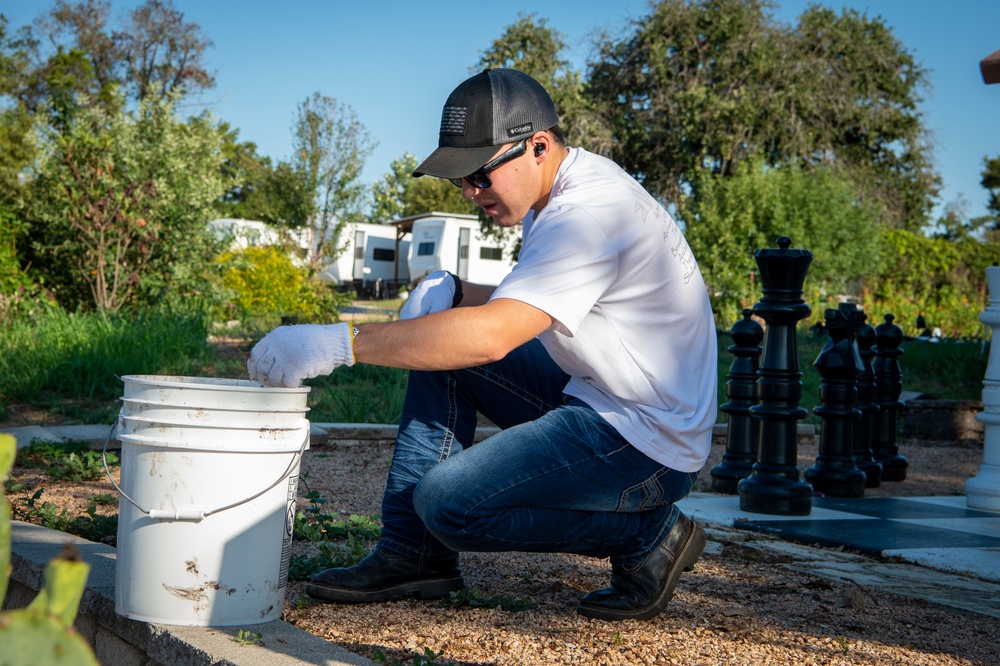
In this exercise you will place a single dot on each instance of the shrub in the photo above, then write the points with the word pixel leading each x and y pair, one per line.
pixel 266 288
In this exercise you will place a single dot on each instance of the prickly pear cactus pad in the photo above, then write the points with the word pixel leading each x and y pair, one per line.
pixel 43 632
pixel 8 450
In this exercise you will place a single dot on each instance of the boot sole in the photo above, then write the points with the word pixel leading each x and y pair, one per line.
pixel 689 554
pixel 434 588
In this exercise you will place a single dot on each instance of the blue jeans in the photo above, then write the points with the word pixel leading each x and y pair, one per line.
pixel 557 478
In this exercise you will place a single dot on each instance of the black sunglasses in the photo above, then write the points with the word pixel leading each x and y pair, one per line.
pixel 479 178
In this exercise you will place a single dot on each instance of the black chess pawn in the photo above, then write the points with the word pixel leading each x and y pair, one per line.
pixel 741 389
pixel 888 388
pixel 839 364
pixel 774 486
pixel 866 425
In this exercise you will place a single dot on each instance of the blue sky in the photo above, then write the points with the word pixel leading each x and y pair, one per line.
pixel 394 63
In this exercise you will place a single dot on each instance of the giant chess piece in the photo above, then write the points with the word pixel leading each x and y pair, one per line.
pixel 741 389
pixel 774 486
pixel 839 365
pixel 888 388
pixel 983 490
pixel 865 426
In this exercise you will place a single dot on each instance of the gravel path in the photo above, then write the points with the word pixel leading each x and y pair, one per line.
pixel 739 606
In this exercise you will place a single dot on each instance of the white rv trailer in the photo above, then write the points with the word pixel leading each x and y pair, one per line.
pixel 454 242
pixel 370 253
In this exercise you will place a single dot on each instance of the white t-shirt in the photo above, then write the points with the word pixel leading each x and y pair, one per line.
pixel 634 324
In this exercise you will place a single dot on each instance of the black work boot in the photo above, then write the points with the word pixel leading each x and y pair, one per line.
pixel 383 576
pixel 643 592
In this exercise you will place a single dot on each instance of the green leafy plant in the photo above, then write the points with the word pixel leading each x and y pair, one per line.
pixel 428 657
pixel 324 527
pixel 302 567
pixel 43 632
pixel 314 525
pixel 68 461
pixel 91 525
pixel 246 637
pixel 476 598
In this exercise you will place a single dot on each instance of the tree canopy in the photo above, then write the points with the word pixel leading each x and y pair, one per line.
pixel 715 81
pixel 749 126
pixel 330 146
pixel 77 48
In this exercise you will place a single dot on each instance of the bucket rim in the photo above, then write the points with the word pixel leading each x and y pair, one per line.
pixel 209 383
pixel 162 405
pixel 240 446
pixel 157 424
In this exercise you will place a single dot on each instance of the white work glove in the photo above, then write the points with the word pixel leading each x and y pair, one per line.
pixel 438 291
pixel 289 354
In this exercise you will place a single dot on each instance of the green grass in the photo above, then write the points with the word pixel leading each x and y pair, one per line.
pixel 358 394
pixel 65 461
pixel 58 356
pixel 947 370
pixel 70 365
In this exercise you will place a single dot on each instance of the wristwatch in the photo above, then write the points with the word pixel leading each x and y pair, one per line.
pixel 458 290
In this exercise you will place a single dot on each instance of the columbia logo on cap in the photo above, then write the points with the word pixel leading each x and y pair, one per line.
pixel 521 129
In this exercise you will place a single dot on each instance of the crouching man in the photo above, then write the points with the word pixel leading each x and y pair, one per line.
pixel 596 356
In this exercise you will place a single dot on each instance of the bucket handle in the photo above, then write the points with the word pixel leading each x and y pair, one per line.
pixel 195 515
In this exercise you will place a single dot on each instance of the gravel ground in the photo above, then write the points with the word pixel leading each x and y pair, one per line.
pixel 739 605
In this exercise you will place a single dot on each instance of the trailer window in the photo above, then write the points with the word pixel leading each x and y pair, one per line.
pixel 383 254
pixel 425 249
pixel 491 253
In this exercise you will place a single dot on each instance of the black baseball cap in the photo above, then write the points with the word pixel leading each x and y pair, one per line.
pixel 494 107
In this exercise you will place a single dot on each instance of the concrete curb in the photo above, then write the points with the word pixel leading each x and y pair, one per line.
pixel 124 642
pixel 118 640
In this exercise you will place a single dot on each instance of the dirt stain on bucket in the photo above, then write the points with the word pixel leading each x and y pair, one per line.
pixel 195 594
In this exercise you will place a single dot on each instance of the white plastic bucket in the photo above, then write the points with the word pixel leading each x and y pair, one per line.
pixel 214 393
pixel 205 513
pixel 155 411
pixel 208 437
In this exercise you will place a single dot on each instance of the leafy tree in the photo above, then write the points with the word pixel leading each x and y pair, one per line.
pixel 858 90
pixel 956 225
pixel 162 54
pixel 257 189
pixel 532 47
pixel 688 87
pixel 941 278
pixel 716 81
pixel 398 194
pixel 12 233
pixel 185 160
pixel 120 199
pixel 17 144
pixel 991 181
pixel 77 50
pixel 330 146
pixel 728 218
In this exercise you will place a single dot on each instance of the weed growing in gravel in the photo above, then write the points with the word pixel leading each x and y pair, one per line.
pixel 66 461
pixel 92 526
pixel 302 567
pixel 246 637
pixel 315 526
pixel 428 657
pixel 104 499
pixel 476 598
